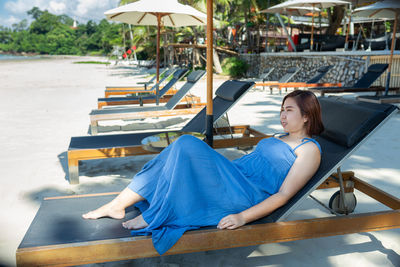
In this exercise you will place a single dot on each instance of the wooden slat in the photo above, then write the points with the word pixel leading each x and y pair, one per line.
pixel 101 104
pixel 236 142
pixel 163 99
pixel 114 152
pixel 308 85
pixel 269 83
pixel 145 114
pixel 126 91
pixel 377 194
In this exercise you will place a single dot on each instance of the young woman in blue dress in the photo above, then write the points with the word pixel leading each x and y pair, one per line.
pixel 190 185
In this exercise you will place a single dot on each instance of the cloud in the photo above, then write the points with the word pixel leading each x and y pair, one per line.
pixel 57 8
pixel 10 20
pixel 94 9
pixel 22 6
pixel 82 10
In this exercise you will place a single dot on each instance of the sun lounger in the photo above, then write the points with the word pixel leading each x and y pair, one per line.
pixel 59 235
pixel 124 145
pixel 313 82
pixel 148 96
pixel 171 108
pixel 290 73
pixel 153 79
pixel 122 101
pixel 166 72
pixel 125 90
pixel 264 77
pixel 362 85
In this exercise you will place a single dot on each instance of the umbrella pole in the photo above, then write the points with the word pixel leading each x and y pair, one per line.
pixel 312 30
pixel 209 110
pixel 158 58
pixel 391 53
pixel 347 34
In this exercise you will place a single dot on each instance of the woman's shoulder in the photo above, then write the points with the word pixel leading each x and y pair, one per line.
pixel 309 146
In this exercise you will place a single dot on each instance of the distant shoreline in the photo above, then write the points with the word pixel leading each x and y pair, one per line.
pixel 20 57
pixel 13 53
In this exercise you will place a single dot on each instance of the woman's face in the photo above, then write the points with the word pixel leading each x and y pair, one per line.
pixel 291 119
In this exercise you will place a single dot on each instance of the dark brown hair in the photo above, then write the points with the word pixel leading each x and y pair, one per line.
pixel 309 107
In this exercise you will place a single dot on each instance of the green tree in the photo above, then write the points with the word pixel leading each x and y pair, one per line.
pixel 35 12
pixel 45 23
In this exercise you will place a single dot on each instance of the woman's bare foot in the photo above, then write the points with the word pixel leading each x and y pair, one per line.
pixel 105 211
pixel 135 224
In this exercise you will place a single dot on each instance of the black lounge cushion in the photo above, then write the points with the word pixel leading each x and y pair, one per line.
pixel 378 68
pixel 324 68
pixel 321 71
pixel 346 124
pixel 231 90
pixel 374 72
pixel 194 76
pixel 292 70
pixel 178 74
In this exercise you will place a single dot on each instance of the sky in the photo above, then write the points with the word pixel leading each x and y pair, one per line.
pixel 13 11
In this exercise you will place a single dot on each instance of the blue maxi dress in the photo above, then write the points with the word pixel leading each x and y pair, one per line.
pixel 189 185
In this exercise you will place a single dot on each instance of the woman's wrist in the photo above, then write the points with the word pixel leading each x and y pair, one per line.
pixel 243 218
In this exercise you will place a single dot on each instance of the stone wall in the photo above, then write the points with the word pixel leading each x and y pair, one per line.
pixel 346 70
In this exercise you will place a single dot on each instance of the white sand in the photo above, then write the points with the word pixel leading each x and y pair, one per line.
pixel 45 102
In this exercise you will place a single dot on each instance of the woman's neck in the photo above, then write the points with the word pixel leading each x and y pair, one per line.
pixel 299 135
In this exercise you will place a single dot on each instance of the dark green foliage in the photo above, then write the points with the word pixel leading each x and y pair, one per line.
pixel 234 67
pixel 52 34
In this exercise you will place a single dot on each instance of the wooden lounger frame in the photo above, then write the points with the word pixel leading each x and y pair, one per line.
pixel 214 239
pixel 179 110
pixel 307 85
pixel 164 99
pixel 269 83
pixel 376 89
pixel 249 137
pixel 127 91
pixel 287 85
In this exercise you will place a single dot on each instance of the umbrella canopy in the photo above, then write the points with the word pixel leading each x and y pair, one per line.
pixel 295 11
pixel 310 3
pixel 383 9
pixel 158 13
pixel 314 5
pixel 145 12
pixel 389 9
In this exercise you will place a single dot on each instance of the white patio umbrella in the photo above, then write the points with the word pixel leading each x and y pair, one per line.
pixel 313 4
pixel 389 9
pixel 158 13
pixel 295 11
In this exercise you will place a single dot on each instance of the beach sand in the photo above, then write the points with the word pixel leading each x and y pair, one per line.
pixel 46 101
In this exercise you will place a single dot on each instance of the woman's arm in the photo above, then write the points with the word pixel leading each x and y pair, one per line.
pixel 304 167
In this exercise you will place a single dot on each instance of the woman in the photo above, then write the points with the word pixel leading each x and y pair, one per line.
pixel 190 185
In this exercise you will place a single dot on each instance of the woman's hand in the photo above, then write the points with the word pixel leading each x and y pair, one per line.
pixel 231 221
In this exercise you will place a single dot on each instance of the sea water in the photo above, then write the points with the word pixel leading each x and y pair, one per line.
pixel 15 57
